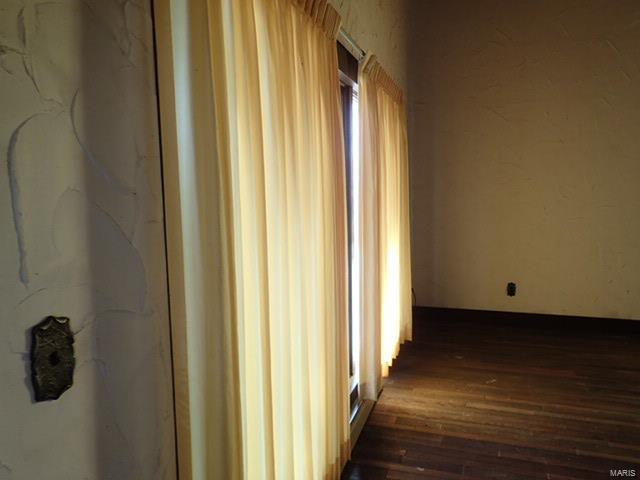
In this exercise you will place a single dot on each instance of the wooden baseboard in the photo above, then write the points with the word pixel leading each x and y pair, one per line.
pixel 360 419
pixel 558 322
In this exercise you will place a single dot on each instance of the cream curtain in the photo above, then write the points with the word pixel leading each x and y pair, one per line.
pixel 386 257
pixel 281 155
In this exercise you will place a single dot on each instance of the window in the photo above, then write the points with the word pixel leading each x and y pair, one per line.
pixel 349 92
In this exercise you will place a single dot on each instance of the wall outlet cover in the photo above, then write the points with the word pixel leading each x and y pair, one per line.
pixel 52 358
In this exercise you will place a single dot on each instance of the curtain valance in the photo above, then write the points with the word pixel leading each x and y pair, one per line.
pixel 378 75
pixel 322 13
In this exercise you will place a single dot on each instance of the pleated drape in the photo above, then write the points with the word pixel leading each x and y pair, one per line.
pixel 281 154
pixel 386 257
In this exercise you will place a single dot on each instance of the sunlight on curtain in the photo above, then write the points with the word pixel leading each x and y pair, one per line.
pixel 386 264
pixel 280 144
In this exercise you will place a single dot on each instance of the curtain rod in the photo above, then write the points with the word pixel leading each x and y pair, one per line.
pixel 350 43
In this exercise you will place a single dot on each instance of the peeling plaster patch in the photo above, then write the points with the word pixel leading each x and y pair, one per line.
pixel 15 202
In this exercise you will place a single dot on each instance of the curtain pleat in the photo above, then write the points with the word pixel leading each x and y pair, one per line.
pixel 386 265
pixel 279 136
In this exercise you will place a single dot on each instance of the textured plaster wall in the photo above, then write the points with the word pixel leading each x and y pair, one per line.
pixel 525 155
pixel 81 231
pixel 379 26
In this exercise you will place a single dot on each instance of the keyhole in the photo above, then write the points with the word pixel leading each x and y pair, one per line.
pixel 54 359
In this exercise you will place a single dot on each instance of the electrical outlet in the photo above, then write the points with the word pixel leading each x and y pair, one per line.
pixel 511 289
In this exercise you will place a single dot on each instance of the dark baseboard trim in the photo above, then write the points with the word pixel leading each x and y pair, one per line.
pixel 366 406
pixel 539 320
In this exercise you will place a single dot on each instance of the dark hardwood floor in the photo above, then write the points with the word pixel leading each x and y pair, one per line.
pixel 482 397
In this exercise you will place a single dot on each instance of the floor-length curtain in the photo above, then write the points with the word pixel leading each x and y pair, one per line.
pixel 386 264
pixel 279 136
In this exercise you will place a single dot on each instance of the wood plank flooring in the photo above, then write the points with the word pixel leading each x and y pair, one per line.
pixel 481 399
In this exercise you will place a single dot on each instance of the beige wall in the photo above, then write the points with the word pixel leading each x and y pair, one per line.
pixel 379 26
pixel 525 155
pixel 81 231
